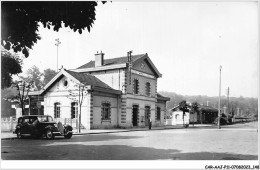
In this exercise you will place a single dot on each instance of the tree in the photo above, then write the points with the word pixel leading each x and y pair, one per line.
pixel 34 75
pixel 194 109
pixel 6 105
pixel 10 65
pixel 183 106
pixel 21 20
pixel 23 89
pixel 78 97
pixel 48 74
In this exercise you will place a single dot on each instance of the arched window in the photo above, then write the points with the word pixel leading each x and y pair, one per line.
pixel 147 89
pixel 57 110
pixel 177 116
pixel 106 111
pixel 136 86
pixel 74 110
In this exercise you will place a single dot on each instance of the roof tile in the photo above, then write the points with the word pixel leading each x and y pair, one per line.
pixel 111 61
pixel 88 79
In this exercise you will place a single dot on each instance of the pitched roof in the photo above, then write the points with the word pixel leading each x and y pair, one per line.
pixel 112 61
pixel 160 97
pixel 88 79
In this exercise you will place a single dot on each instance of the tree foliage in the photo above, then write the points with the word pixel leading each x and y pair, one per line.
pixel 247 106
pixel 183 106
pixel 48 74
pixel 10 65
pixel 194 107
pixel 20 20
pixel 34 75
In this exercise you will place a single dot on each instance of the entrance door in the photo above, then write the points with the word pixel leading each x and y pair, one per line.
pixel 135 115
pixel 147 115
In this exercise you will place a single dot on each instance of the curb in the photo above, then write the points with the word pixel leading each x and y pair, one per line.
pixel 130 130
pixel 94 133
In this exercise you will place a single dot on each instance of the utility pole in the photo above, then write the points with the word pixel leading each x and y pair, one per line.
pixel 227 101
pixel 219 98
pixel 57 44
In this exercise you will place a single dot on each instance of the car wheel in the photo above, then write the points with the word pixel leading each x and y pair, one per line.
pixel 68 136
pixel 49 134
pixel 19 135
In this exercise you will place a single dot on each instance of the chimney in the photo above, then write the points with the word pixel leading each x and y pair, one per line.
pixel 99 59
pixel 129 56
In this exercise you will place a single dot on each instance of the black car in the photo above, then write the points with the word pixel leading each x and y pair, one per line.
pixel 41 126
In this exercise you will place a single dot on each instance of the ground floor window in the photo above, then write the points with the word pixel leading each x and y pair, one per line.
pixel 57 110
pixel 158 114
pixel 74 110
pixel 106 111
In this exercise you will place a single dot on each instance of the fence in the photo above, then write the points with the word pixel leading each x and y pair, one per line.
pixel 68 121
pixel 9 124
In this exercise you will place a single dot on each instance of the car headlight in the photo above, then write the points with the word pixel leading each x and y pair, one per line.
pixel 55 125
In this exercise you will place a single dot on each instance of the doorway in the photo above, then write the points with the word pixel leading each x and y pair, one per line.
pixel 135 115
pixel 147 115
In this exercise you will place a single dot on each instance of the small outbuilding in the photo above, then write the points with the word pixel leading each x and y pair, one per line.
pixel 205 115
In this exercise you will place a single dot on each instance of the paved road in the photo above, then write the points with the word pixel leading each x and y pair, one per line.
pixel 175 144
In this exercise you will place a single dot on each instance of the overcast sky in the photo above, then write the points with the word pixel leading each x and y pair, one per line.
pixel 187 42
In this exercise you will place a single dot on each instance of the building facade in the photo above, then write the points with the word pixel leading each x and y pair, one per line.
pixel 117 92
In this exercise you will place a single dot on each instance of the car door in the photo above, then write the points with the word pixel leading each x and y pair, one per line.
pixel 25 128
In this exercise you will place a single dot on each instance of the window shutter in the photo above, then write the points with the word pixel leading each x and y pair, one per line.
pixel 102 112
pixel 54 110
pixel 71 109
pixel 109 110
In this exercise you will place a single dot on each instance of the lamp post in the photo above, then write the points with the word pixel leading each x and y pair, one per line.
pixel 57 44
pixel 219 98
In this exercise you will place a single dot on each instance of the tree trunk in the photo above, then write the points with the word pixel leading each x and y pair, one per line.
pixel 183 118
pixel 79 118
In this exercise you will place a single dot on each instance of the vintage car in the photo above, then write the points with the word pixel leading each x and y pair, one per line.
pixel 41 126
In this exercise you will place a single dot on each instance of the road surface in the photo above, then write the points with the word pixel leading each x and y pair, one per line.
pixel 173 144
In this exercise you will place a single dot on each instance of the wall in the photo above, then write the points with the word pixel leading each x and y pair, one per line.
pixel 179 120
pixel 142 81
pixel 141 101
pixel 98 99
pixel 162 105
pixel 143 66
pixel 113 78
pixel 194 117
pixel 60 93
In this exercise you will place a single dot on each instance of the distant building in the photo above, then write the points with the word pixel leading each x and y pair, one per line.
pixel 117 92
pixel 206 115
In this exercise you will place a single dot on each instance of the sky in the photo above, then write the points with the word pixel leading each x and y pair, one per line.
pixel 187 42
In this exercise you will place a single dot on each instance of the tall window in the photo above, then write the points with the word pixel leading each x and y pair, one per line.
pixel 74 110
pixel 148 89
pixel 147 112
pixel 106 111
pixel 136 86
pixel 158 114
pixel 56 110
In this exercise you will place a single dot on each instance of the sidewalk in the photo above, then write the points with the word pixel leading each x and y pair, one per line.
pixel 10 135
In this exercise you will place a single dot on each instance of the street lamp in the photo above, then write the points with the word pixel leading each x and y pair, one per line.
pixel 219 98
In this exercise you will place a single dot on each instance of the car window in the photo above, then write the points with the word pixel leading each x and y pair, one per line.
pixel 26 120
pixel 20 120
pixel 43 119
pixel 32 119
pixel 50 119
